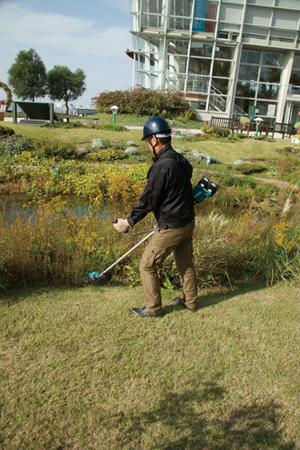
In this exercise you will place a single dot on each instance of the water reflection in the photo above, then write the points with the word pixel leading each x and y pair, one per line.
pixel 19 206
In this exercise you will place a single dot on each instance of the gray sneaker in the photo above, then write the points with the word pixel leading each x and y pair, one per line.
pixel 143 312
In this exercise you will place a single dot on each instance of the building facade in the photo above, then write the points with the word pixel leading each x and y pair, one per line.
pixel 228 57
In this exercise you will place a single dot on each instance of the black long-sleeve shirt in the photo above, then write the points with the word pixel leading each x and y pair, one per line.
pixel 168 193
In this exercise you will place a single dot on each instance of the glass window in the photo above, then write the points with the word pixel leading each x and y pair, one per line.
pixel 231 13
pixel 206 10
pixel 283 35
pixel 274 59
pixel 205 26
pixel 177 64
pixel 200 104
pixel 295 77
pixel 177 47
pixel 285 19
pixel 246 89
pixel 224 52
pixel 218 103
pixel 221 68
pixel 258 16
pixel 197 84
pixel 270 75
pixel 261 2
pixel 199 66
pixel 266 109
pixel 178 23
pixel 268 90
pixel 152 6
pixel 248 72
pixel 291 4
pixel 296 64
pixel 201 49
pixel 180 8
pixel 176 83
pixel 250 56
pixel 219 84
pixel 150 21
pixel 244 104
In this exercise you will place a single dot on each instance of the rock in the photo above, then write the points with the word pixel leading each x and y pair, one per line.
pixel 132 151
pixel 131 144
pixel 98 143
pixel 178 150
pixel 83 151
pixel 238 162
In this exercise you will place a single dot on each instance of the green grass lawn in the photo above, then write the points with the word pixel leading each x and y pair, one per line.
pixel 224 150
pixel 78 372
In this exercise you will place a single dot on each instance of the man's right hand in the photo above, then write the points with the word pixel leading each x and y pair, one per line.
pixel 122 225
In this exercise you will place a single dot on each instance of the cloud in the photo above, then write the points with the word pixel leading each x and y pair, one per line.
pixel 65 40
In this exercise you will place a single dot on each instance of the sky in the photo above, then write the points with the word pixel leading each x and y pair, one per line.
pixel 88 34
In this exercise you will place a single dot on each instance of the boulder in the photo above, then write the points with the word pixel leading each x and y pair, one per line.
pixel 132 151
pixel 238 162
pixel 131 144
pixel 98 143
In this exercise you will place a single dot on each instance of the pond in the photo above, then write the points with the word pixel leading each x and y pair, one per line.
pixel 21 206
pixel 18 205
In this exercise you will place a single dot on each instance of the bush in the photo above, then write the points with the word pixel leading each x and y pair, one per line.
pixel 110 127
pixel 5 131
pixel 58 149
pixel 14 145
pixel 106 155
pixel 216 131
pixel 144 102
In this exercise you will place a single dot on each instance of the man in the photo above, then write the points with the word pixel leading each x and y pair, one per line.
pixel 168 194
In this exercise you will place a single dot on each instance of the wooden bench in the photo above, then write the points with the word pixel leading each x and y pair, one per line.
pixel 264 127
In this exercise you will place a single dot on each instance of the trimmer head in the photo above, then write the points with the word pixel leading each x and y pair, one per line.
pixel 99 279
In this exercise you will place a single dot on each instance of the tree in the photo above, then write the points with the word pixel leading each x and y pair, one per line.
pixel 28 75
pixel 63 84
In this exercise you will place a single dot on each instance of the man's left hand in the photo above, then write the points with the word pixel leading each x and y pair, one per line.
pixel 122 226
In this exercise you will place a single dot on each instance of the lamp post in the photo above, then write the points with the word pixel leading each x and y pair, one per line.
pixel 114 109
pixel 258 121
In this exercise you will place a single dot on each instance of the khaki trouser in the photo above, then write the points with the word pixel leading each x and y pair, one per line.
pixel 162 243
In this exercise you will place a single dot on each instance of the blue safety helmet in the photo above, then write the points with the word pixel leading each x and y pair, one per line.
pixel 157 126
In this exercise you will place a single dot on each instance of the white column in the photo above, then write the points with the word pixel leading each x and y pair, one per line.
pixel 162 49
pixel 284 85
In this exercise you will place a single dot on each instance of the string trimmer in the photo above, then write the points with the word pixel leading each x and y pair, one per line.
pixel 203 189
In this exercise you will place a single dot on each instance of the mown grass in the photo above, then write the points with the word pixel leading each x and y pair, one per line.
pixel 78 372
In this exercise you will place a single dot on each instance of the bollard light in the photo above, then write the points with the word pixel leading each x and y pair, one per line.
pixel 114 109
pixel 258 121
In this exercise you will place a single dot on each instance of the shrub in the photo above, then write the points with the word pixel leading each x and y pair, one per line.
pixel 106 155
pixel 244 120
pixel 14 145
pixel 5 131
pixel 59 149
pixel 216 131
pixel 110 127
pixel 143 102
pixel 297 125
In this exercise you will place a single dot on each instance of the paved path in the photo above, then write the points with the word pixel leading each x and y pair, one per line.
pixel 182 131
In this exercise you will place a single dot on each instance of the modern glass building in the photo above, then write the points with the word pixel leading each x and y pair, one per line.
pixel 228 57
